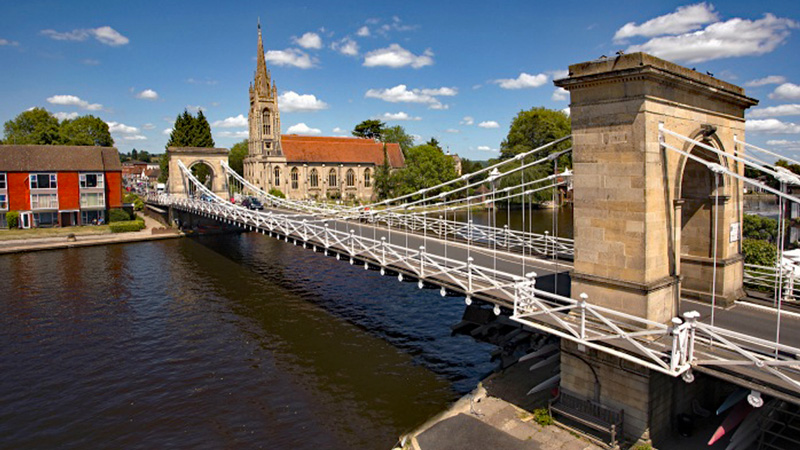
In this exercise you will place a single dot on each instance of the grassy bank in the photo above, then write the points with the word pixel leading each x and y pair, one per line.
pixel 35 233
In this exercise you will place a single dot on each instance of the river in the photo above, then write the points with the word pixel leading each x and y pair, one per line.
pixel 221 341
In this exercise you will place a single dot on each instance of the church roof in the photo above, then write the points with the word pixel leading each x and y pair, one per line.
pixel 339 150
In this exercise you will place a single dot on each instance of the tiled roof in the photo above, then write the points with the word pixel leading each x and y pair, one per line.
pixel 26 158
pixel 339 150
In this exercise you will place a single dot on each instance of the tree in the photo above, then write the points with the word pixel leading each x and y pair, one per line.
pixel 188 131
pixel 383 177
pixel 32 127
pixel 761 228
pixel 85 130
pixel 371 128
pixel 397 134
pixel 434 143
pixel 758 252
pixel 237 155
pixel 535 128
pixel 426 166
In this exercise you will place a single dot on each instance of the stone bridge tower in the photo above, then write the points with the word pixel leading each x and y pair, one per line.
pixel 644 215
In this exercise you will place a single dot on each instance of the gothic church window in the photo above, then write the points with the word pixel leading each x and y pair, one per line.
pixel 314 178
pixel 367 178
pixel 277 176
pixel 265 123
pixel 351 178
pixel 295 177
pixel 332 182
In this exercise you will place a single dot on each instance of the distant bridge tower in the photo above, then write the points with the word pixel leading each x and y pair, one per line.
pixel 644 215
pixel 191 157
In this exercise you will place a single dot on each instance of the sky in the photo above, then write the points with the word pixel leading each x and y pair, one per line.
pixel 456 71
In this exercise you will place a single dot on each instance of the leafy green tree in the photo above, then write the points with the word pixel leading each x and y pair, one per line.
pixel 371 128
pixel 32 127
pixel 237 155
pixel 758 227
pixel 383 178
pixel 759 252
pixel 85 130
pixel 426 166
pixel 469 166
pixel 534 128
pixel 397 134
pixel 434 143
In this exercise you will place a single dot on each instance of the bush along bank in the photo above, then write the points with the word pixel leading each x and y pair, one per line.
pixel 126 226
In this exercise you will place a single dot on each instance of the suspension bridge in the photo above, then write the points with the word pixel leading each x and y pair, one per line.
pixel 654 277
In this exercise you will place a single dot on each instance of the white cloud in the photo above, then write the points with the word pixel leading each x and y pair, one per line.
pixel 363 31
pixel 291 101
pixel 566 111
pixel 65 116
pixel 452 130
pixel 684 19
pixel 771 126
pixel 231 122
pixel 302 128
pixel 309 40
pixel 560 95
pixel 291 57
pixel 785 144
pixel 776 111
pixel 786 91
pixel 8 43
pixel 116 127
pixel 732 38
pixel 558 74
pixel 772 79
pixel 148 126
pixel 73 100
pixel 467 120
pixel 148 94
pixel 338 130
pixel 489 124
pixel 396 56
pixel 233 134
pixel 486 148
pixel 105 35
pixel 134 137
pixel 401 94
pixel 346 46
pixel 398 116
pixel 167 131
pixel 523 81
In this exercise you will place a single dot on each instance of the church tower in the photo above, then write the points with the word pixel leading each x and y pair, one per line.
pixel 264 118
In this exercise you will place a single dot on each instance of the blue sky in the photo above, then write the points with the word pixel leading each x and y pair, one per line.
pixel 458 71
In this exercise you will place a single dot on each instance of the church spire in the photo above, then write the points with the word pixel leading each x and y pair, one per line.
pixel 262 76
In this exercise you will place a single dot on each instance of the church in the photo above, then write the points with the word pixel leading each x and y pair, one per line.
pixel 307 167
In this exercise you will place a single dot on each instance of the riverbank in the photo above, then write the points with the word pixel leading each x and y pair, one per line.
pixel 489 417
pixel 88 236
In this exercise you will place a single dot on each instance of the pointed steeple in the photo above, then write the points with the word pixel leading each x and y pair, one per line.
pixel 262 77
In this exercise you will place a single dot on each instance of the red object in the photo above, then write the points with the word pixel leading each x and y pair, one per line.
pixel 736 416
pixel 114 189
pixel 69 195
pixel 19 191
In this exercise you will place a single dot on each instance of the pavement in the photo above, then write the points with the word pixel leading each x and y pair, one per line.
pixel 61 242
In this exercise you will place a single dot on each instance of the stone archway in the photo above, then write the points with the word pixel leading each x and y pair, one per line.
pixel 193 157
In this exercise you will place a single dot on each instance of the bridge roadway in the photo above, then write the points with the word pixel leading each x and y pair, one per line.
pixel 553 276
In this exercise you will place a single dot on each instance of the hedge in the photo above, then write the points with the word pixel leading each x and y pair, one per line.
pixel 126 226
pixel 118 215
pixel 759 252
pixel 12 219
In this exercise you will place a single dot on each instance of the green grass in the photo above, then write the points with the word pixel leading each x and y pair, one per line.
pixel 34 233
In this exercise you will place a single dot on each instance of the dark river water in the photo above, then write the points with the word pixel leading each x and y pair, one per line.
pixel 232 341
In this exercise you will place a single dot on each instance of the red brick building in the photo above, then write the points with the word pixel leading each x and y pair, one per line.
pixel 54 185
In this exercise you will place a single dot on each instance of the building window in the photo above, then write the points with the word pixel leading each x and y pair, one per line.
pixel 93 217
pixel 367 178
pixel 45 219
pixel 265 122
pixel 2 180
pixel 277 176
pixel 295 177
pixel 91 180
pixel 43 181
pixel 332 182
pixel 93 200
pixel 351 178
pixel 3 223
pixel 3 202
pixel 44 201
pixel 314 178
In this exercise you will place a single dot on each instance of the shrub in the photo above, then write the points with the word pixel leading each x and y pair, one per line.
pixel 276 193
pixel 126 226
pixel 12 219
pixel 138 203
pixel 118 215
pixel 759 252
pixel 542 417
